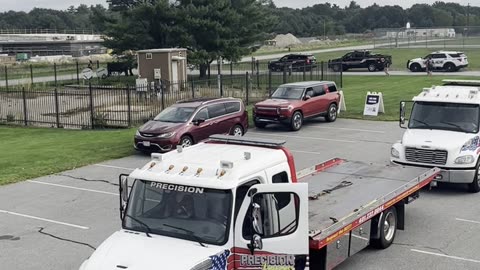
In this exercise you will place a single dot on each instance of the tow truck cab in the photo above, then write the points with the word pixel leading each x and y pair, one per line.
pixel 442 130
pixel 236 203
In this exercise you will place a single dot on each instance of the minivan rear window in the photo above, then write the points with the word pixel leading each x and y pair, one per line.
pixel 232 107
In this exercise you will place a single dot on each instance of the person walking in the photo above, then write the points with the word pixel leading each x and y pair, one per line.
pixel 385 66
pixel 429 66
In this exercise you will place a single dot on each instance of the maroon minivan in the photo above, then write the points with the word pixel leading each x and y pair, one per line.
pixel 188 122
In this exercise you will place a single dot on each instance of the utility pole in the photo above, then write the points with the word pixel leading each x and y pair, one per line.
pixel 324 29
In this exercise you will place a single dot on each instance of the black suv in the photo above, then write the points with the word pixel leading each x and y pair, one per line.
pixel 293 62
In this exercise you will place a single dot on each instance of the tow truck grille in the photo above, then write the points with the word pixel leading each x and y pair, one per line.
pixel 436 157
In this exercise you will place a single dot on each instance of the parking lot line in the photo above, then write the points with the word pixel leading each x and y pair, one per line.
pixel 445 256
pixel 70 187
pixel 467 220
pixel 114 167
pixel 45 219
pixel 300 137
pixel 351 129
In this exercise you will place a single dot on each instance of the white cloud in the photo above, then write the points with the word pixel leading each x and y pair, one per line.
pixel 27 5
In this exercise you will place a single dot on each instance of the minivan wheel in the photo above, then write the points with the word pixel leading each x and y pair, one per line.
pixel 297 121
pixel 186 141
pixel 237 130
pixel 332 113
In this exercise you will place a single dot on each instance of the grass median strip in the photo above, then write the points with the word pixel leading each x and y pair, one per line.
pixel 32 152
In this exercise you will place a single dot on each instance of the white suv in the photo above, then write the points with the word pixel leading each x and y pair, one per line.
pixel 441 60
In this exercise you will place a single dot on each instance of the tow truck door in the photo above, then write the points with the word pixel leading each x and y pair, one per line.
pixel 272 227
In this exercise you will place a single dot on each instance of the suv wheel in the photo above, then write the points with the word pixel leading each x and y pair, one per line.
pixel 415 67
pixel 449 67
pixel 297 121
pixel 237 130
pixel 186 141
pixel 372 67
pixel 332 113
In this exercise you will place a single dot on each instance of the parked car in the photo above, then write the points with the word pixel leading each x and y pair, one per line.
pixel 441 60
pixel 293 62
pixel 360 59
pixel 188 122
pixel 292 103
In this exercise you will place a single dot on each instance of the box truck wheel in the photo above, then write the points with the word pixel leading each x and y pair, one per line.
pixel 388 229
pixel 474 187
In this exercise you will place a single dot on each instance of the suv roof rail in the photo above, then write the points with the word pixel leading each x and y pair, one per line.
pixel 203 100
pixel 246 140
pixel 461 82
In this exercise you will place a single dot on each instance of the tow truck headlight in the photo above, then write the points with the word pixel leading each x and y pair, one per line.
pixel 465 159
pixel 204 265
pixel 394 153
pixel 166 135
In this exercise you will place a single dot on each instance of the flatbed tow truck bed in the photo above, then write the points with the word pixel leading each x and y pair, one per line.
pixel 344 194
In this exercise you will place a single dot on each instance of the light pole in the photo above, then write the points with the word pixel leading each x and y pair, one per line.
pixel 324 29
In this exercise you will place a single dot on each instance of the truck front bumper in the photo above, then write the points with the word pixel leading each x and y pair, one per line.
pixel 459 176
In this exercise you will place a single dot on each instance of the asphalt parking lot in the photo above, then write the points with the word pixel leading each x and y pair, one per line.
pixel 55 222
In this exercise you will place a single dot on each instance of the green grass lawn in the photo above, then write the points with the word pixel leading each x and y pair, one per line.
pixel 393 88
pixel 32 152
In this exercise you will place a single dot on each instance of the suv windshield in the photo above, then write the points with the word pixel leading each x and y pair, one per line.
pixel 175 114
pixel 445 116
pixel 192 213
pixel 288 93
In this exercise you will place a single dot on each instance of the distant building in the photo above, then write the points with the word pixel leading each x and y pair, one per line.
pixel 421 32
pixel 52 44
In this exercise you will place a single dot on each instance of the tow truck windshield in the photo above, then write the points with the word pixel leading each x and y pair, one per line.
pixel 445 116
pixel 192 213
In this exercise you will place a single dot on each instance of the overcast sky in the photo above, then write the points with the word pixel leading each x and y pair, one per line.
pixel 27 5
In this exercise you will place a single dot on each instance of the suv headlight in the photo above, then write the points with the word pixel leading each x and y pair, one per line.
pixel 137 133
pixel 166 135
pixel 286 108
pixel 394 153
pixel 465 159
pixel 204 265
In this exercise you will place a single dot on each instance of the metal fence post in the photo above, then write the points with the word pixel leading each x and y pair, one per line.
pixel 341 78
pixel 90 91
pixel 98 64
pixel 6 77
pixel 163 87
pixel 231 73
pixel 220 83
pixel 247 82
pixel 129 107
pixel 78 73
pixel 311 72
pixel 304 74
pixel 323 66
pixel 284 74
pixel 258 73
pixel 31 73
pixel 269 82
pixel 25 119
pixel 55 72
pixel 57 110
pixel 193 88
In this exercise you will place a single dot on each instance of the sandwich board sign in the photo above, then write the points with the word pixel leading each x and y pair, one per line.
pixel 342 106
pixel 373 104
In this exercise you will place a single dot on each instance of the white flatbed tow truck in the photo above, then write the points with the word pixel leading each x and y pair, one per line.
pixel 239 203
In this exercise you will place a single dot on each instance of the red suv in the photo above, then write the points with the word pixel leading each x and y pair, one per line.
pixel 191 121
pixel 291 103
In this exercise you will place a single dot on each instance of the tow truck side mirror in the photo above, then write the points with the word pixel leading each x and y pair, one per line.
pixel 402 114
pixel 123 190
pixel 257 218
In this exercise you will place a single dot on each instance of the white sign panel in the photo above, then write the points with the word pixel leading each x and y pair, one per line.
pixel 157 74
pixel 373 104
pixel 141 84
pixel 87 73
pixel 342 106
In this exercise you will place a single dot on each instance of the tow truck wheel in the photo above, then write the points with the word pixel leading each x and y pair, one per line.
pixel 297 121
pixel 388 229
pixel 474 187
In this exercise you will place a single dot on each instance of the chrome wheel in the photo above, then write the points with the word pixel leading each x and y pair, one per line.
pixel 389 226
pixel 237 131
pixel 333 113
pixel 186 142
pixel 297 121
